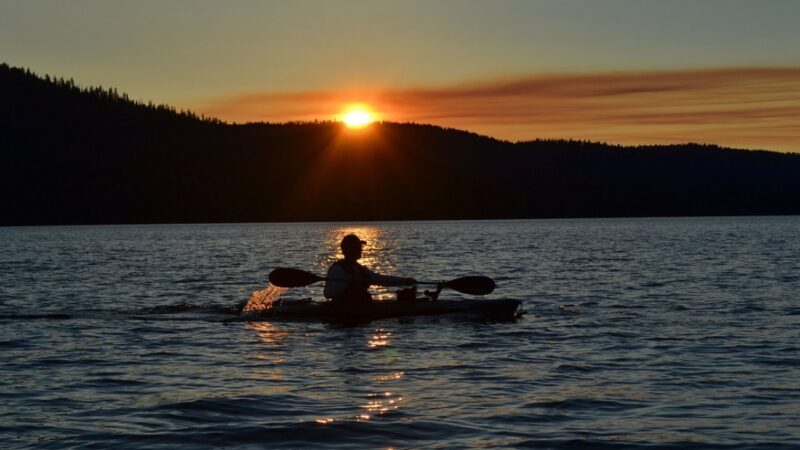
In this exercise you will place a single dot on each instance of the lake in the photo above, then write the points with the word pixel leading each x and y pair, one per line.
pixel 639 333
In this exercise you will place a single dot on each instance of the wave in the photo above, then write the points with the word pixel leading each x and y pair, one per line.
pixel 180 308
pixel 45 316
pixel 188 311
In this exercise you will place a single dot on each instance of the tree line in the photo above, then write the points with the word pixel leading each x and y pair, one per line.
pixel 73 155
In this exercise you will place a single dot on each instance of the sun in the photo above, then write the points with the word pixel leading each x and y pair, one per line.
pixel 357 118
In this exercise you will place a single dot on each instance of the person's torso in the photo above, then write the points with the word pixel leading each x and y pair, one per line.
pixel 358 284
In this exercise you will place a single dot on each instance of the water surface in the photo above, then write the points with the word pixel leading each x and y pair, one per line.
pixel 640 333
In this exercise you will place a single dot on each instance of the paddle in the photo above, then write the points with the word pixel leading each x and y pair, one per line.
pixel 289 278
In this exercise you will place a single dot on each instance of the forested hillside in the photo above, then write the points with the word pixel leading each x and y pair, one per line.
pixel 73 155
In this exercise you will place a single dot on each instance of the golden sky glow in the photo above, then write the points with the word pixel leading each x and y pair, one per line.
pixel 621 71
pixel 742 107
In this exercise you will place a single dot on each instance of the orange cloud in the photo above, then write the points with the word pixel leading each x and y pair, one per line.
pixel 741 107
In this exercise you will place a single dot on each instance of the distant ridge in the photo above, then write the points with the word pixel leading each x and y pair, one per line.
pixel 75 155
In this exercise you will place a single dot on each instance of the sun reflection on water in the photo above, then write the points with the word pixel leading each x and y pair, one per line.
pixel 381 403
pixel 272 336
pixel 391 376
pixel 380 338
pixel 377 403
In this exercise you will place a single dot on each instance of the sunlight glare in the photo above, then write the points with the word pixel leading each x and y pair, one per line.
pixel 357 118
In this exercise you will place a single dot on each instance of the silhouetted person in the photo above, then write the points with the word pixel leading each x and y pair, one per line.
pixel 356 279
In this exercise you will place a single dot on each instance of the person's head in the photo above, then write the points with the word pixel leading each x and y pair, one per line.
pixel 352 246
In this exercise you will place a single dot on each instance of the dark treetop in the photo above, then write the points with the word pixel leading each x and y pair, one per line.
pixel 73 155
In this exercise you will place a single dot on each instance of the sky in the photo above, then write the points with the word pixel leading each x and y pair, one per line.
pixel 621 71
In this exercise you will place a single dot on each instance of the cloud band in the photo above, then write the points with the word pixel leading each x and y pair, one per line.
pixel 739 107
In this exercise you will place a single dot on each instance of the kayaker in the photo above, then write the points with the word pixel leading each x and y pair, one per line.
pixel 356 279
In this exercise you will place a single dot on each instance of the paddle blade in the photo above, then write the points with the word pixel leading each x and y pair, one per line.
pixel 475 285
pixel 289 278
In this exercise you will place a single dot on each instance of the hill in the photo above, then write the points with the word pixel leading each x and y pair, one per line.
pixel 75 155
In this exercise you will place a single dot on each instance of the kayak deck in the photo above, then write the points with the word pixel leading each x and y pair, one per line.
pixel 500 309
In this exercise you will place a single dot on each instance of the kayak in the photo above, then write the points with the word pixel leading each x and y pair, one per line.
pixel 308 309
pixel 500 309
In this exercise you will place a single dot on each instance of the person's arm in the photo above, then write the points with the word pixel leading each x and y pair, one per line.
pixel 388 280
pixel 339 283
